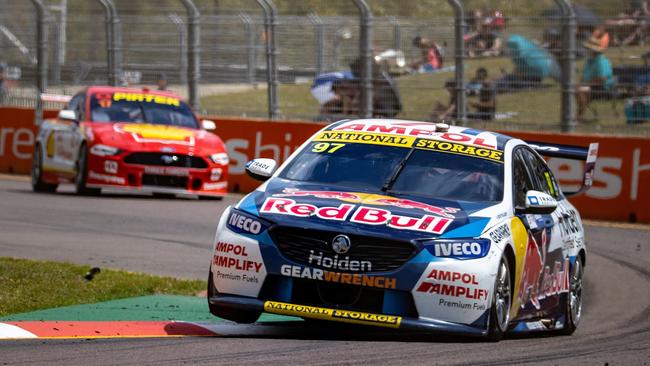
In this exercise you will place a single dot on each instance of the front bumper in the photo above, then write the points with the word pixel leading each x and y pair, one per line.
pixel 346 316
pixel 113 172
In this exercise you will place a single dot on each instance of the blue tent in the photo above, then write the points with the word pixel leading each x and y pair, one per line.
pixel 530 59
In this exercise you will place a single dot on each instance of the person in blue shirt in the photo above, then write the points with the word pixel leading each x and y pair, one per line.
pixel 597 77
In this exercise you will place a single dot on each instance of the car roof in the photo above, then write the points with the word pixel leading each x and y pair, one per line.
pixel 121 89
pixel 421 129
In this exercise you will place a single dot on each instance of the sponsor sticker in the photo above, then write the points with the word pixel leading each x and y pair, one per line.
pixel 460 249
pixel 454 284
pixel 336 277
pixel 356 317
pixel 147 98
pixel 460 149
pixel 170 171
pixel 500 233
pixel 237 265
pixel 371 199
pixel 106 178
pixel 241 222
pixel 361 215
pixel 366 138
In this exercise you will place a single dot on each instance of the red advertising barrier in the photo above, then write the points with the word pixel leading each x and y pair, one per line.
pixel 620 181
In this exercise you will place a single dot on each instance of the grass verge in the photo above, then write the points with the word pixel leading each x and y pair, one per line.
pixel 27 285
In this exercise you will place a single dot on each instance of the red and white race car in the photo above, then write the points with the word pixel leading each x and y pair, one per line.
pixel 142 140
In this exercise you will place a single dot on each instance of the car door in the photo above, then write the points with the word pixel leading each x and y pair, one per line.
pixel 545 263
pixel 67 136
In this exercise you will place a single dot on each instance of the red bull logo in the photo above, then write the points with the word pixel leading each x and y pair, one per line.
pixel 361 215
pixel 372 199
pixel 537 280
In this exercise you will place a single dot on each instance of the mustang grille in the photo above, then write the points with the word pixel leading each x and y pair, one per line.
pixel 164 181
pixel 312 247
pixel 166 159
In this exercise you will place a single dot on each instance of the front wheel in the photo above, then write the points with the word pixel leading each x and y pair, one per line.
pixel 501 303
pixel 38 185
pixel 573 305
pixel 82 174
pixel 238 316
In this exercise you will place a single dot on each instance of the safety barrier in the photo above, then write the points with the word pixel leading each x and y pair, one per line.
pixel 622 169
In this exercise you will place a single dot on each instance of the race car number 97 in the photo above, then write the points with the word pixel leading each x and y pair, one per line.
pixel 328 147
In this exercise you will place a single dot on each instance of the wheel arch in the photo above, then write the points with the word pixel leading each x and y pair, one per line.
pixel 583 257
pixel 509 253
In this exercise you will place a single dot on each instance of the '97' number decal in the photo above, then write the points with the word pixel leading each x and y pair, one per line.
pixel 328 147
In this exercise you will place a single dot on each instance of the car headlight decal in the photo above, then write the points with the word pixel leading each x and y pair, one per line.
pixel 104 150
pixel 220 158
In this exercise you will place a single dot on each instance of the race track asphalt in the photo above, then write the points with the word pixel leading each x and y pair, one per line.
pixel 174 237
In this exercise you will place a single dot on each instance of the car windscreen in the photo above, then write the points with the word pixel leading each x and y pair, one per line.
pixel 141 108
pixel 399 170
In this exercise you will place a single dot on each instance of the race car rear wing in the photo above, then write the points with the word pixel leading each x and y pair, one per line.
pixel 588 155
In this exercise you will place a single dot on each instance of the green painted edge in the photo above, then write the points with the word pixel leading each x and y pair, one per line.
pixel 142 308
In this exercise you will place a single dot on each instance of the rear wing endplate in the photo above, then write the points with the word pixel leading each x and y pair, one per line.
pixel 588 155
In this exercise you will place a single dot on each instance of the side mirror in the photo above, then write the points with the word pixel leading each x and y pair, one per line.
pixel 539 203
pixel 68 115
pixel 261 168
pixel 208 125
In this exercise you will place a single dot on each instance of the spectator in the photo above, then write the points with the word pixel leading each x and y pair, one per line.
pixel 602 35
pixel 487 42
pixel 346 99
pixel 431 55
pixel 486 105
pixel 162 81
pixel 631 25
pixel 443 112
pixel 597 77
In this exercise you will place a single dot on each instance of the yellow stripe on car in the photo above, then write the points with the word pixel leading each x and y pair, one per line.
pixel 346 316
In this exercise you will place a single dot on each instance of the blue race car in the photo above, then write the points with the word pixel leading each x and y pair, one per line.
pixel 408 225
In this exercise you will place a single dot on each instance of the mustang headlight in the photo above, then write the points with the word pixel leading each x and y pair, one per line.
pixel 245 223
pixel 458 248
pixel 220 158
pixel 104 150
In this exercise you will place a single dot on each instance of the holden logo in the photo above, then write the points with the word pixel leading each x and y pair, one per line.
pixel 341 244
pixel 168 159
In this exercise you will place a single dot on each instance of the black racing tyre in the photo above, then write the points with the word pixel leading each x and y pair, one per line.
pixel 38 185
pixel 163 195
pixel 82 174
pixel 210 198
pixel 572 307
pixel 501 303
pixel 237 316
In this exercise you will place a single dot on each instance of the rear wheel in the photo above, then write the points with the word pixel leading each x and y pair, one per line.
pixel 501 303
pixel 82 174
pixel 238 316
pixel 573 305
pixel 38 185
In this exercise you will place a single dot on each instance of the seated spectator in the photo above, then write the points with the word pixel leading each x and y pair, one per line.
pixel 486 105
pixel 631 26
pixel 597 77
pixel 346 99
pixel 444 112
pixel 487 42
pixel 431 55
pixel 602 35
